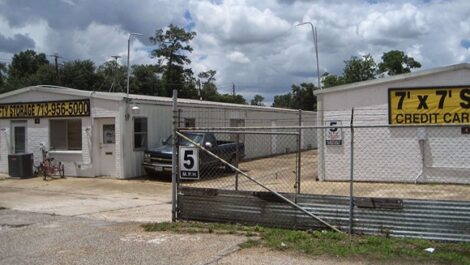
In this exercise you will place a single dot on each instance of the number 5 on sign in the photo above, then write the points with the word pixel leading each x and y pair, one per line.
pixel 188 162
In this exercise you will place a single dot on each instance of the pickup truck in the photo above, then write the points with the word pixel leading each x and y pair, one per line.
pixel 157 161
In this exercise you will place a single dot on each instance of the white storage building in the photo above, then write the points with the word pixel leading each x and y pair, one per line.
pixel 105 134
pixel 405 154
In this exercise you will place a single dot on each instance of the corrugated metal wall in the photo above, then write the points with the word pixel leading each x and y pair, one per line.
pixel 438 220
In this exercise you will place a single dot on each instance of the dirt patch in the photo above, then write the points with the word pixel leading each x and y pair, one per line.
pixel 279 173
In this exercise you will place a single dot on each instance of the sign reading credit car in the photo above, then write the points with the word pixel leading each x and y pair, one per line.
pixel 65 108
pixel 438 105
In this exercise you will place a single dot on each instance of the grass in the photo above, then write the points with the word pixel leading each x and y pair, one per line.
pixel 315 243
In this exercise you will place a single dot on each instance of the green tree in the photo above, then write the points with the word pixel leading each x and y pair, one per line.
pixel 208 88
pixel 80 74
pixel 113 76
pixel 283 101
pixel 257 100
pixel 330 80
pixel 145 81
pixel 228 98
pixel 3 75
pixel 26 63
pixel 300 97
pixel 172 49
pixel 303 97
pixel 397 62
pixel 45 75
pixel 359 69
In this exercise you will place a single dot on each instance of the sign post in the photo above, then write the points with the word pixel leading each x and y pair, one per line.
pixel 189 162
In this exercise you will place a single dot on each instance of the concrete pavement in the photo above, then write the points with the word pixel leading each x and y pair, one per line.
pixel 104 199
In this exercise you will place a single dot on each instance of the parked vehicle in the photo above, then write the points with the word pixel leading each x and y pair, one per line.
pixel 157 161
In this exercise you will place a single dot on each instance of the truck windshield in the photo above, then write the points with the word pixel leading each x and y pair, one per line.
pixel 194 137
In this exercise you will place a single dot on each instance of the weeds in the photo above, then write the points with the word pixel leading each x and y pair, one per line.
pixel 316 243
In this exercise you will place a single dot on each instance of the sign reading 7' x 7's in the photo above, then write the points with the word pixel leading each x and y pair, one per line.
pixel 437 105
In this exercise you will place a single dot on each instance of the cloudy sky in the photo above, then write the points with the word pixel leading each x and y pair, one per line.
pixel 254 44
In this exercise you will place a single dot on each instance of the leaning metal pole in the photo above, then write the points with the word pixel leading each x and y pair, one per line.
pixel 173 156
pixel 259 183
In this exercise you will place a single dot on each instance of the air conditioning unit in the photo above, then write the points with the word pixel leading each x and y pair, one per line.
pixel 20 165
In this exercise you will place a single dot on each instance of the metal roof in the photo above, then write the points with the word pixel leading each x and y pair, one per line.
pixel 119 96
pixel 394 78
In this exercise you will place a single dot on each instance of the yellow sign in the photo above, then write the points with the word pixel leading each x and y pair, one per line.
pixel 68 108
pixel 440 105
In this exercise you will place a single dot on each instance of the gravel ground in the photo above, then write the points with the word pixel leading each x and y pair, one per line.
pixel 278 173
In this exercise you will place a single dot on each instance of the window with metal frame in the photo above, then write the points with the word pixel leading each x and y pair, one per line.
pixel 140 133
pixel 189 122
pixel 65 134
pixel 237 123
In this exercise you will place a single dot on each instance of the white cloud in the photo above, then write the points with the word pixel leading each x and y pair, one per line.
pixel 239 23
pixel 238 57
pixel 407 22
pixel 254 44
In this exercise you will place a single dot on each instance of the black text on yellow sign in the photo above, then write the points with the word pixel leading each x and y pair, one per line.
pixel 440 105
pixel 67 108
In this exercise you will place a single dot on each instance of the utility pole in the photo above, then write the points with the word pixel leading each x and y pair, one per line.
pixel 315 43
pixel 56 58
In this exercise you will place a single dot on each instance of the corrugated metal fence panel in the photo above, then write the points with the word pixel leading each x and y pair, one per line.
pixel 438 220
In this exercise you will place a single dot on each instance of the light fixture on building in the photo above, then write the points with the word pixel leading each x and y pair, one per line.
pixel 135 109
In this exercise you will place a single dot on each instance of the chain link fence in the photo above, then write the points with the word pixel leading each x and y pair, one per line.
pixel 369 163
pixel 387 162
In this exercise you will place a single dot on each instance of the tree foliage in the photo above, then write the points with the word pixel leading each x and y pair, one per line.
pixel 80 74
pixel 171 52
pixel 397 62
pixel 363 68
pixel 300 97
pixel 207 85
pixel 257 100
pixel 26 63
pixel 145 80
pixel 3 75
pixel 112 76
pixel 359 69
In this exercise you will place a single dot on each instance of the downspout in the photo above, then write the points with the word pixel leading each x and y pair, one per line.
pixel 124 131
pixel 89 132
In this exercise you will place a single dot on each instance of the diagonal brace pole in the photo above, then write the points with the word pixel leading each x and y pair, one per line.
pixel 259 183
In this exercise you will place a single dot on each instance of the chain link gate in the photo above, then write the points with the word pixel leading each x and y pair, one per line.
pixel 212 161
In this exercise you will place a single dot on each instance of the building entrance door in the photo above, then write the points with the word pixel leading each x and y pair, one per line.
pixel 18 136
pixel 106 133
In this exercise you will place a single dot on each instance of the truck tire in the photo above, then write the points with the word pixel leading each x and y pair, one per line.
pixel 229 169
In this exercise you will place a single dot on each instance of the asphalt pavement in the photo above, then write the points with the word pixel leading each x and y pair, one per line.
pixel 36 238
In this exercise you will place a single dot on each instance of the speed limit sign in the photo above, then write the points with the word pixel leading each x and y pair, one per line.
pixel 188 162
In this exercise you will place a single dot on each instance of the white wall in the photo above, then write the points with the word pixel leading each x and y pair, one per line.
pixel 129 160
pixel 77 163
pixel 394 154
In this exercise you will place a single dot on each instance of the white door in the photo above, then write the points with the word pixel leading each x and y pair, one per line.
pixel 18 137
pixel 106 147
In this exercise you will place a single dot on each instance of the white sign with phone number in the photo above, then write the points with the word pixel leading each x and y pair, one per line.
pixel 188 162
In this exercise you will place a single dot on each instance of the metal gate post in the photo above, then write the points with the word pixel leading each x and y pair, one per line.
pixel 174 157
pixel 351 177
pixel 237 160
pixel 299 150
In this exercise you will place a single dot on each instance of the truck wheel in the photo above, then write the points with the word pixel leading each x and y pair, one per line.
pixel 229 169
